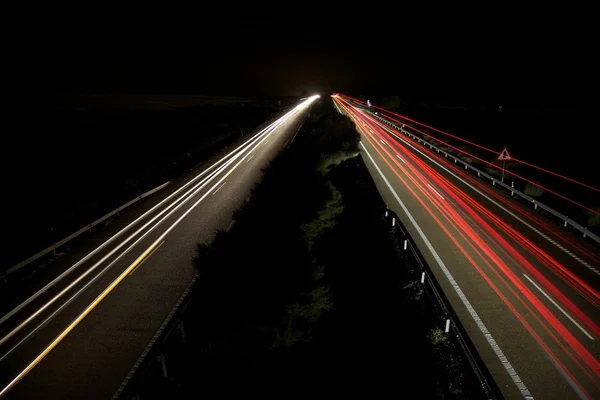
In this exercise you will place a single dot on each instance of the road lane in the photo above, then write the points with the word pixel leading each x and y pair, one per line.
pixel 568 242
pixel 587 287
pixel 552 355
pixel 93 359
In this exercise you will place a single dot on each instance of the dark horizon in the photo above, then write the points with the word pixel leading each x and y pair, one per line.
pixel 544 70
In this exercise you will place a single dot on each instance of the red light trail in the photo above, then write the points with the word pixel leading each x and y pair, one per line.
pixel 464 220
pixel 476 145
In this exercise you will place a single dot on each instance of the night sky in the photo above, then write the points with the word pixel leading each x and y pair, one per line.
pixel 525 58
pixel 490 57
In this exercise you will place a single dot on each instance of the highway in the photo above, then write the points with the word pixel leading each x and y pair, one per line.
pixel 78 336
pixel 525 290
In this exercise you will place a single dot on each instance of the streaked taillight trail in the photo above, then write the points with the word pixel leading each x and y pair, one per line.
pixel 405 118
pixel 493 246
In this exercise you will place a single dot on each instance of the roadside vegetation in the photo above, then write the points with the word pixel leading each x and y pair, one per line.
pixel 308 292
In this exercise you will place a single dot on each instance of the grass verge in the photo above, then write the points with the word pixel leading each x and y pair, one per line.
pixel 308 293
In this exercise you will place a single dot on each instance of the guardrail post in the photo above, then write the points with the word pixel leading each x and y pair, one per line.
pixel 90 228
pixel 163 362
pixel 405 243
pixel 493 182
pixel 394 221
pixel 181 330
pixel 535 206
pixel 478 174
pixel 512 185
pixel 565 223
pixel 423 277
pixel 386 213
pixel 447 325
pixel 455 160
pixel 466 165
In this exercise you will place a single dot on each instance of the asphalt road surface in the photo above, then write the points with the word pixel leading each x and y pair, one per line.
pixel 78 336
pixel 525 289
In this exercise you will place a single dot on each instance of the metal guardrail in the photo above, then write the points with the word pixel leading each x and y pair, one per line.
pixel 152 364
pixel 495 182
pixel 447 315
pixel 155 353
pixel 56 245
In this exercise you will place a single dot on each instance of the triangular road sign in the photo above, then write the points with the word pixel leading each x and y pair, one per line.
pixel 504 155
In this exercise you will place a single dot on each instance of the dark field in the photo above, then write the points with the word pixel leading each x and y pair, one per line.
pixel 73 159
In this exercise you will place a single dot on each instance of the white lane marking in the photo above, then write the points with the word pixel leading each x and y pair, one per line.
pixel 219 188
pixel 584 263
pixel 147 257
pixel 436 192
pixel 236 152
pixel 252 156
pixel 60 337
pixel 267 141
pixel 488 336
pixel 382 142
pixel 559 307
pixel 195 190
pixel 182 199
pixel 295 134
pixel 401 159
